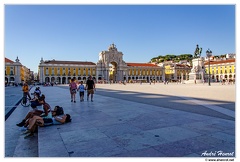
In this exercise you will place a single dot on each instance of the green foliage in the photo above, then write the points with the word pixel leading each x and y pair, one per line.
pixel 171 57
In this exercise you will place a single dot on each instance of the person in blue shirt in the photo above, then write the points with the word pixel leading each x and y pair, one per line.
pixel 81 89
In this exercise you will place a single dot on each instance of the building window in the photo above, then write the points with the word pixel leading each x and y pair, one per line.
pixel 89 71
pixel 47 71
pixel 52 71
pixel 11 71
pixel 64 72
pixel 74 71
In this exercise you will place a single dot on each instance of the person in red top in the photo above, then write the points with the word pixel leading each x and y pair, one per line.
pixel 73 90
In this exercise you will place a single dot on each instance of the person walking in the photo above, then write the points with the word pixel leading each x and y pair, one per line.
pixel 90 86
pixel 73 90
pixel 81 91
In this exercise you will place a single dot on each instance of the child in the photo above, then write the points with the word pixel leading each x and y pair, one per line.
pixel 81 89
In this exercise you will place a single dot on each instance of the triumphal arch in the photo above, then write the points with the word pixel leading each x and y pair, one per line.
pixel 110 66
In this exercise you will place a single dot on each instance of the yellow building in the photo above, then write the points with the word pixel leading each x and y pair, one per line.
pixel 145 72
pixel 54 71
pixel 221 70
pixel 110 67
pixel 176 71
pixel 15 72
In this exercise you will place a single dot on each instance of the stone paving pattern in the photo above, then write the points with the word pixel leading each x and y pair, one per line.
pixel 114 127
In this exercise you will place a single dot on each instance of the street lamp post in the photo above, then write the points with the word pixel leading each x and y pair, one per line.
pixel 209 54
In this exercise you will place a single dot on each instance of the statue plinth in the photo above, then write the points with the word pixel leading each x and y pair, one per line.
pixel 197 72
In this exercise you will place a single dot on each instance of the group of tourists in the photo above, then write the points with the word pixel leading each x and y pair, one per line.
pixel 90 87
pixel 41 113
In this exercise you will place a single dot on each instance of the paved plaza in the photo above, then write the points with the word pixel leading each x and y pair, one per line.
pixel 133 120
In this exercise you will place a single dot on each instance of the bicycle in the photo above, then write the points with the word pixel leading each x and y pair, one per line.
pixel 25 101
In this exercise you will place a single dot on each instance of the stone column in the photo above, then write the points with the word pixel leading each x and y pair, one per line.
pixel 42 76
pixel 17 74
pixel 96 75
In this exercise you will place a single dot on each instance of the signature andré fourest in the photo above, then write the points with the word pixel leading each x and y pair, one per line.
pixel 218 153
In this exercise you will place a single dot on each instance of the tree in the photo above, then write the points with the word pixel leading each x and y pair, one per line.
pixel 175 58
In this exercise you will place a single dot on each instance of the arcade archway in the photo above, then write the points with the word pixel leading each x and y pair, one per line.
pixel 113 71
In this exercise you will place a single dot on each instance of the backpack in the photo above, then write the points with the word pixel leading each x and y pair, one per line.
pixel 59 110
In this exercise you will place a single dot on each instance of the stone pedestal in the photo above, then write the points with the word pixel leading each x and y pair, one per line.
pixel 197 72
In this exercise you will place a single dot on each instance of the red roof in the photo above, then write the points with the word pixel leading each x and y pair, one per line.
pixel 8 60
pixel 182 65
pixel 220 62
pixel 142 64
pixel 69 62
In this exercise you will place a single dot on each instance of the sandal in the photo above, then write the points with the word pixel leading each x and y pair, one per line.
pixel 28 135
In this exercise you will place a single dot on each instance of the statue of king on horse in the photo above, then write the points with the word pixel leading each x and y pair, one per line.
pixel 197 53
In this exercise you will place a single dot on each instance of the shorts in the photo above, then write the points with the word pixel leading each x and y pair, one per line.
pixel 73 91
pixel 90 91
pixel 47 121
pixel 81 93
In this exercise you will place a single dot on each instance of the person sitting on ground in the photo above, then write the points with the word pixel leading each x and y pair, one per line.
pixel 45 112
pixel 39 121
pixel 37 91
pixel 58 111
pixel 35 100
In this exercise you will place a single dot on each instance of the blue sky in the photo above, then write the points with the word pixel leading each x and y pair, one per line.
pixel 81 32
